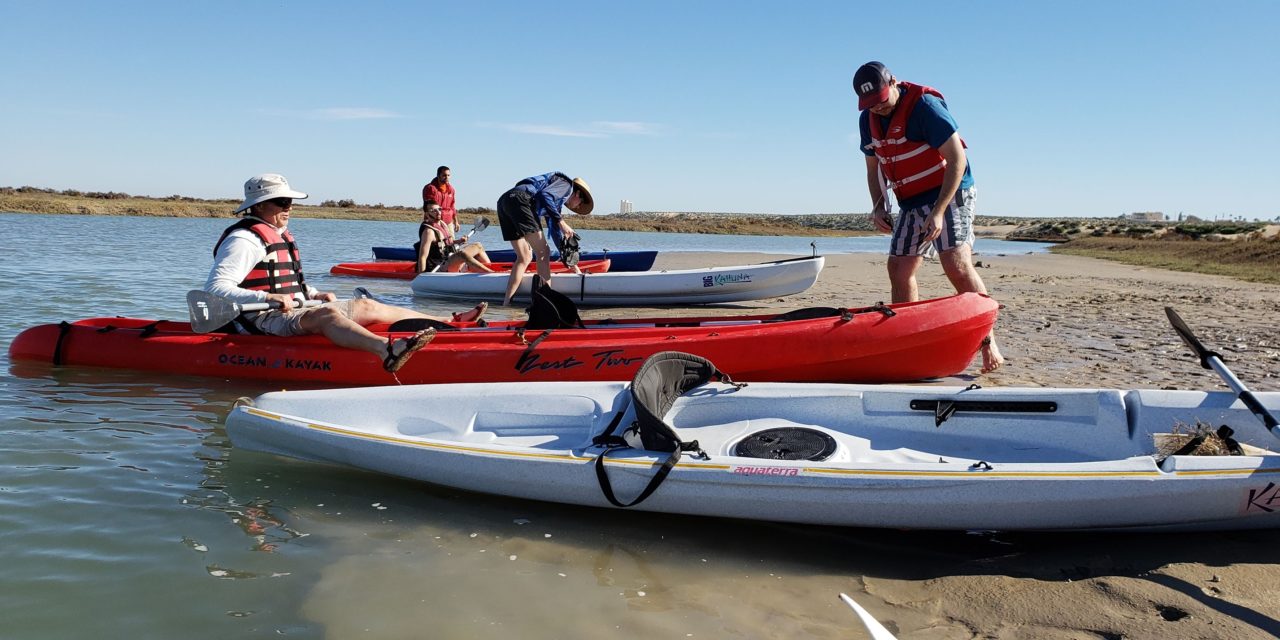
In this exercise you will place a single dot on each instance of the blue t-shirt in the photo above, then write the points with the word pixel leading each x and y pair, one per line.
pixel 930 122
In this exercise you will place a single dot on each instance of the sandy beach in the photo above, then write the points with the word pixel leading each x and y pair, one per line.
pixel 1080 322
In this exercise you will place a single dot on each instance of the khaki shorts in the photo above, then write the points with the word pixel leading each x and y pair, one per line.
pixel 289 323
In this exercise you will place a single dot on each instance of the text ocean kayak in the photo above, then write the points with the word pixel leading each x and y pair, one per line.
pixel 900 342
pixel 622 260
pixel 710 285
pixel 825 454
pixel 403 269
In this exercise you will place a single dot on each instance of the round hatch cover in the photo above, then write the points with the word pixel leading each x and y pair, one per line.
pixel 787 443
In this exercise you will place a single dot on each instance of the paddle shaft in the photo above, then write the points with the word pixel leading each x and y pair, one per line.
pixel 1212 360
pixel 209 312
pixel 877 630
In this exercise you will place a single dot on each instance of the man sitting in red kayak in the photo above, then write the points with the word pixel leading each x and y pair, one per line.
pixel 438 250
pixel 256 260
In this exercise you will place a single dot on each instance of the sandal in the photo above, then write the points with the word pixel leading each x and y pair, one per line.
pixel 472 315
pixel 412 344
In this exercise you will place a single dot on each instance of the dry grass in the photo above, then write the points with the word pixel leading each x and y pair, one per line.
pixel 1252 259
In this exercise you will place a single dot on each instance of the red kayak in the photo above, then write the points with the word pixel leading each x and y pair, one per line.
pixel 885 343
pixel 403 270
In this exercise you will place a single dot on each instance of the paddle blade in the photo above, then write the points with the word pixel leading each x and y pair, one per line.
pixel 1189 338
pixel 481 224
pixel 208 312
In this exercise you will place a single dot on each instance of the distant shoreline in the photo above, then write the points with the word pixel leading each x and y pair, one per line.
pixel 44 201
pixel 1246 251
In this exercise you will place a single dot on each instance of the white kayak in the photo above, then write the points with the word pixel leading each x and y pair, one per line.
pixel 827 454
pixel 684 286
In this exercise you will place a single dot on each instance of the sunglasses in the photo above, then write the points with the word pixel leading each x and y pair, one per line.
pixel 283 203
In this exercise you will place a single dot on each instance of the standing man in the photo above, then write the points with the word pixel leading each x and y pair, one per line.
pixel 912 147
pixel 443 193
pixel 256 260
pixel 521 211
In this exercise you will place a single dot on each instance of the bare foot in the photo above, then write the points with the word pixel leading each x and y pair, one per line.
pixel 991 358
pixel 473 314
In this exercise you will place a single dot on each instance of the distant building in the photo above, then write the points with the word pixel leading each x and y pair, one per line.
pixel 626 206
pixel 1145 216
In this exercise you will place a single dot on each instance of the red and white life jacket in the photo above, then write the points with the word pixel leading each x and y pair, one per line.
pixel 909 167
pixel 281 270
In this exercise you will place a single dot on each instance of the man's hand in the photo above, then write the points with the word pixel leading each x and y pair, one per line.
pixel 933 225
pixel 326 296
pixel 568 230
pixel 880 218
pixel 282 300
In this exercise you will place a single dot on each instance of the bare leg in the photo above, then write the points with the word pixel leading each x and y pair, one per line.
pixel 468 256
pixel 902 277
pixel 957 263
pixel 343 331
pixel 524 255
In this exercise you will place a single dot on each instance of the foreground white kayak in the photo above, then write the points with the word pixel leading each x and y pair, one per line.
pixel 685 286
pixel 876 456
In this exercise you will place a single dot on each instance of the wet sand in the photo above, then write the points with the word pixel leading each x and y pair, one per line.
pixel 1076 322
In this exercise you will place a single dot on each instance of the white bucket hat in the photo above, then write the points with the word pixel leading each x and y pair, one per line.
pixel 266 186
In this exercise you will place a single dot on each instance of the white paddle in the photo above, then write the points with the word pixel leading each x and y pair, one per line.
pixel 209 312
pixel 1212 360
pixel 481 224
pixel 877 630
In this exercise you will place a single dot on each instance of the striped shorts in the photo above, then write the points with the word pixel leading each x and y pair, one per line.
pixel 957 227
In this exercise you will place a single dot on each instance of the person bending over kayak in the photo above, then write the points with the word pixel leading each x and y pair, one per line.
pixel 913 148
pixel 437 249
pixel 521 211
pixel 256 260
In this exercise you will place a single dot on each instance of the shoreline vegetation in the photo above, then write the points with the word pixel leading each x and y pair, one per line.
pixel 1243 250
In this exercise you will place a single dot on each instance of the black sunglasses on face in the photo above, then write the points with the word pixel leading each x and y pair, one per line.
pixel 283 203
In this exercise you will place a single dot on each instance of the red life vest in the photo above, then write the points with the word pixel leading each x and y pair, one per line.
pixel 445 196
pixel 910 167
pixel 281 270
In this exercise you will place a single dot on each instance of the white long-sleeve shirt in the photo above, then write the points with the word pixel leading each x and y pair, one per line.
pixel 237 256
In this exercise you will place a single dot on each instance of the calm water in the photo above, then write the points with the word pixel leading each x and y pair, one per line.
pixel 124 512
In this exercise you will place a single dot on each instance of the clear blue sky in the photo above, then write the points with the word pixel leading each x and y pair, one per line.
pixel 1069 108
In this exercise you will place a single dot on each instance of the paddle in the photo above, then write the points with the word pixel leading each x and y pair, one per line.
pixel 209 312
pixel 877 630
pixel 481 224
pixel 1212 360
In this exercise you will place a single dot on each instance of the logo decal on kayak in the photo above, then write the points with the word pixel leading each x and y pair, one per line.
pixel 723 279
pixel 765 471
pixel 603 360
pixel 1267 500
pixel 279 363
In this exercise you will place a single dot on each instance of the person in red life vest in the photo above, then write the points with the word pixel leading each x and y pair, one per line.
pixel 257 260
pixel 438 250
pixel 912 147
pixel 521 211
pixel 444 194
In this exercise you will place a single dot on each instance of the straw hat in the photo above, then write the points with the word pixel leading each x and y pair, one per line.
pixel 587 202
pixel 266 186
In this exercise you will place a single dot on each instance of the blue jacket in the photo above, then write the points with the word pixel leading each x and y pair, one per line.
pixel 549 191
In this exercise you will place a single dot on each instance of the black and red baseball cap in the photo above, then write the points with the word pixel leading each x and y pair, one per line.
pixel 871 83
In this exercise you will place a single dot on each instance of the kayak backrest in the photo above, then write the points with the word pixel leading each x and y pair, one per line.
pixel 550 309
pixel 662 379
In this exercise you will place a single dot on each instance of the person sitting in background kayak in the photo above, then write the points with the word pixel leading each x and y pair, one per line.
pixel 256 260
pixel 521 211
pixel 437 249
pixel 446 195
